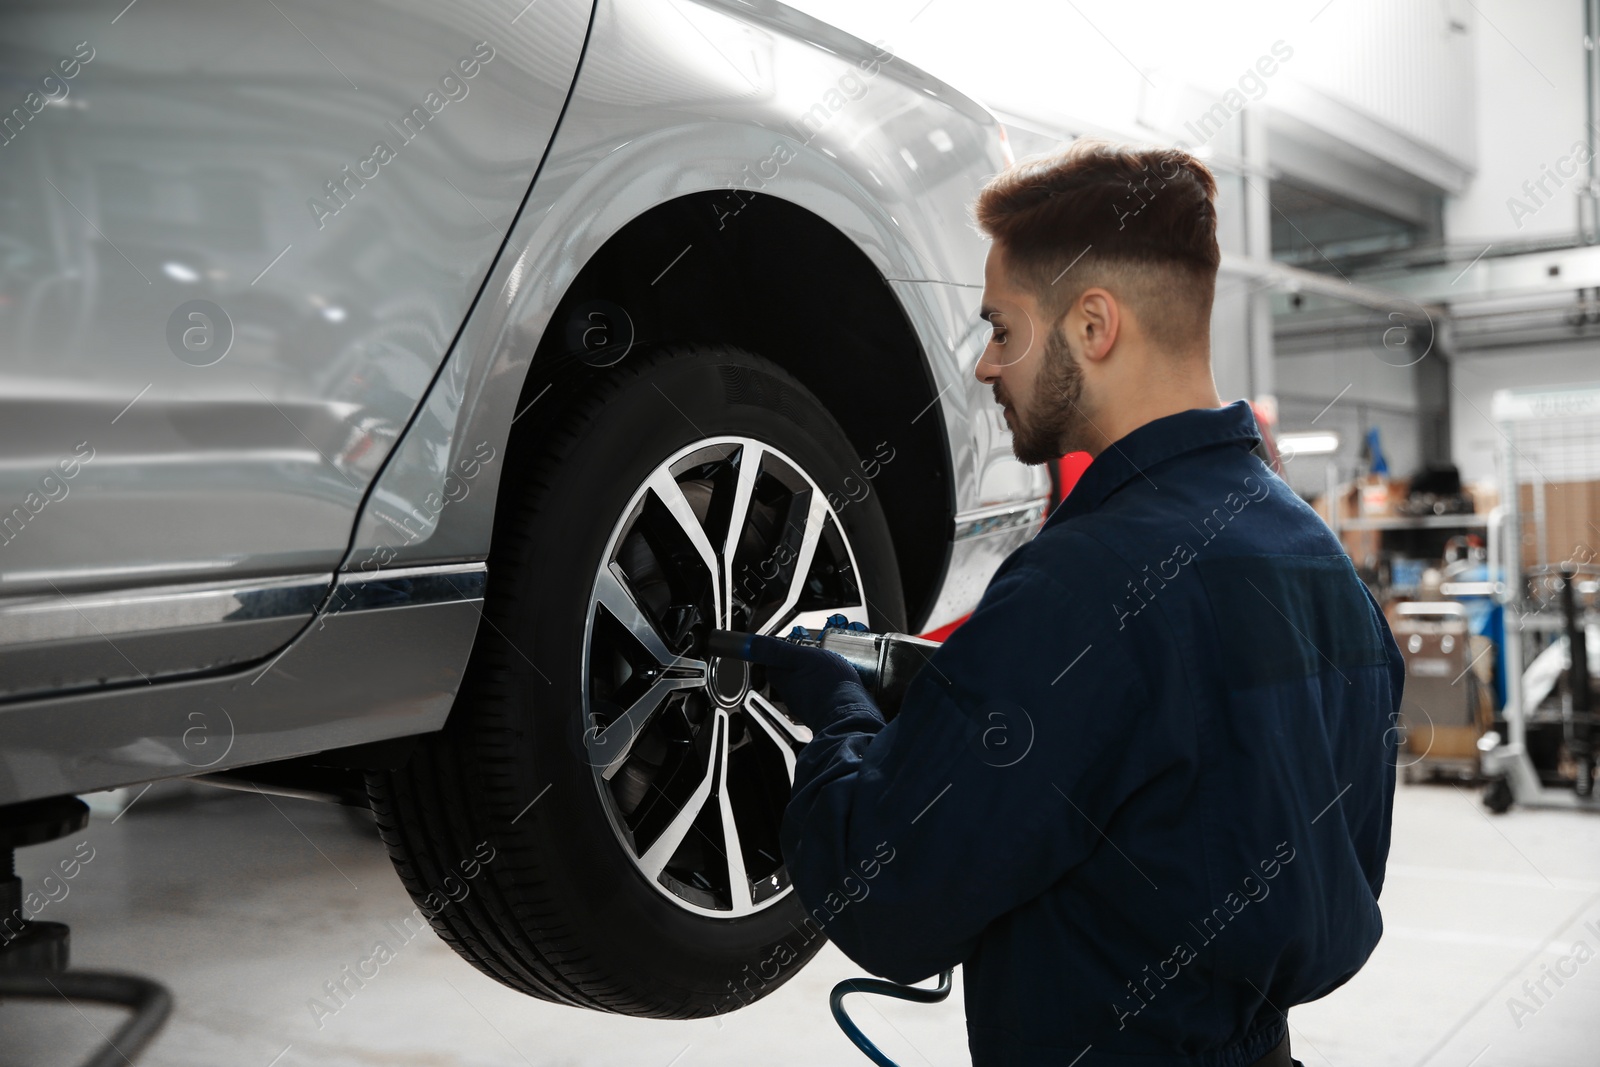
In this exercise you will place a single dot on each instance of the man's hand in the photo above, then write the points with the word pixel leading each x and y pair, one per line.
pixel 806 679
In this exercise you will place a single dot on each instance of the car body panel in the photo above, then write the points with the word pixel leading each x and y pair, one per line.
pixel 228 153
pixel 893 167
pixel 412 630
pixel 672 98
pixel 53 642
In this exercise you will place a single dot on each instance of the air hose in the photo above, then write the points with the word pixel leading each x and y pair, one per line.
pixel 885 989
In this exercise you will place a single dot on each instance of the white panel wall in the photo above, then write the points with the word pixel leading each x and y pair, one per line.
pixel 1408 64
pixel 1530 113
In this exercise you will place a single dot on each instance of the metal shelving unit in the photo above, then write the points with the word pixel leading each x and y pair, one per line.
pixel 1416 522
pixel 1550 448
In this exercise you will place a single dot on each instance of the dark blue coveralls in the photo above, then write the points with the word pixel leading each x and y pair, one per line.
pixel 1143 794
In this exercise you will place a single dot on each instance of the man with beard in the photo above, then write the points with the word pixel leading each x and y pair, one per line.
pixel 1143 794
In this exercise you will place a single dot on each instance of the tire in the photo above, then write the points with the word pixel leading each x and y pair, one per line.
pixel 1497 796
pixel 547 820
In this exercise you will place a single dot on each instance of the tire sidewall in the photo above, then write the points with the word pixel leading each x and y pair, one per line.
pixel 658 407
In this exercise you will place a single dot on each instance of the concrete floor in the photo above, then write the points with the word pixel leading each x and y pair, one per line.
pixel 245 906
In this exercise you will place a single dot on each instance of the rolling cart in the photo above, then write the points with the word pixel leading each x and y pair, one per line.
pixel 1446 709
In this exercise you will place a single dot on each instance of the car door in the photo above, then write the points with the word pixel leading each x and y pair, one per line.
pixel 239 237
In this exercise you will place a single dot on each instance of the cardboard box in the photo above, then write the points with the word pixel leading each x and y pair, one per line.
pixel 1571 522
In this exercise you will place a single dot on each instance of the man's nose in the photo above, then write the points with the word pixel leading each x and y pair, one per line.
pixel 987 370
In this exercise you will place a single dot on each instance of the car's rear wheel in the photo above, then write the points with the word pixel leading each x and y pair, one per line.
pixel 628 787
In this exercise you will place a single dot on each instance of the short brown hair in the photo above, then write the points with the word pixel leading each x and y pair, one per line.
pixel 1140 221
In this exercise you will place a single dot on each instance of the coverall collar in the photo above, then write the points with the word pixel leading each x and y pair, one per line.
pixel 1160 439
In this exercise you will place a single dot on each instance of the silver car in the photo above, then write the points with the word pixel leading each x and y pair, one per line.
pixel 394 394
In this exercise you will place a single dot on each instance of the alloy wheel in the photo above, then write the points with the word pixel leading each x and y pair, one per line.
pixel 693 760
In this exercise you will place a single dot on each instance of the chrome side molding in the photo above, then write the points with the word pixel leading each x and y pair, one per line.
pixel 69 616
pixel 999 518
pixel 408 586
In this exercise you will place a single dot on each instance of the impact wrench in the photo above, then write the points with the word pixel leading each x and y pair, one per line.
pixel 887 664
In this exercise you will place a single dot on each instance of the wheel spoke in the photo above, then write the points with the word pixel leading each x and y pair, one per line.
pixel 670 494
pixel 768 714
pixel 816 516
pixel 750 456
pixel 777 726
pixel 738 880
pixel 611 589
pixel 608 749
pixel 657 856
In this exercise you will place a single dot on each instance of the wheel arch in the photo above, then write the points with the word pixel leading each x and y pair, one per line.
pixel 599 203
pixel 777 280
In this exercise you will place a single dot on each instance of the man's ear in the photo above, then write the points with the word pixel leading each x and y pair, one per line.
pixel 1100 320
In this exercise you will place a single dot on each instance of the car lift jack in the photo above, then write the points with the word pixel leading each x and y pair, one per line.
pixel 33 955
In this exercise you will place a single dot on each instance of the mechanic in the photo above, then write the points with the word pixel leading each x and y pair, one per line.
pixel 1143 794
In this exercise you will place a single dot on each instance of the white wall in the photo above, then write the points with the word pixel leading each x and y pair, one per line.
pixel 1408 66
pixel 1530 112
pixel 1388 73
pixel 1474 439
pixel 1104 63
pixel 1375 393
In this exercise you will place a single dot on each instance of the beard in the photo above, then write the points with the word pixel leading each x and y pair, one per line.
pixel 1053 423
